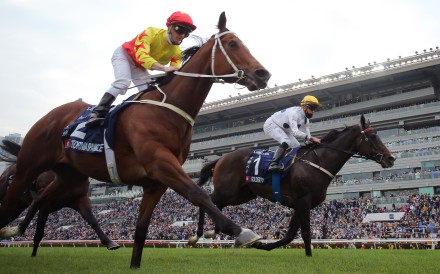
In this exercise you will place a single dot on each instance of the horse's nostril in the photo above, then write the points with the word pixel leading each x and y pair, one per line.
pixel 263 74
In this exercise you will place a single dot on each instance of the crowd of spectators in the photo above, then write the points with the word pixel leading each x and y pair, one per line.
pixel 176 219
pixel 394 177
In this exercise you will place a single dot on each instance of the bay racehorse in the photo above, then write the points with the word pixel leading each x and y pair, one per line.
pixel 305 185
pixel 52 197
pixel 151 141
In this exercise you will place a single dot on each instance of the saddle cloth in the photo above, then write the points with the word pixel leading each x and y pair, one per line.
pixel 258 163
pixel 91 140
pixel 79 138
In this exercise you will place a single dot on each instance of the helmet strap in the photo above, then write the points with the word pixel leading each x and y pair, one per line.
pixel 169 39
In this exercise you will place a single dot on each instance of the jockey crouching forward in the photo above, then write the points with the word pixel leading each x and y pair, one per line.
pixel 152 49
pixel 290 124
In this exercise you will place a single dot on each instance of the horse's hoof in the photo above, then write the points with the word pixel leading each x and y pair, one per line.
pixel 192 240
pixel 257 245
pixel 8 232
pixel 210 234
pixel 112 246
pixel 246 237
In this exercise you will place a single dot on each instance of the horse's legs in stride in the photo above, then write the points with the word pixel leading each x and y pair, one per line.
pixel 201 223
pixel 171 173
pixel 150 199
pixel 32 210
pixel 305 232
pixel 217 228
pixel 10 209
pixel 294 225
pixel 39 231
pixel 207 234
pixel 84 207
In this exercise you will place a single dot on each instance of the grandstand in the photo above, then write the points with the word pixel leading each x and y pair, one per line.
pixel 401 98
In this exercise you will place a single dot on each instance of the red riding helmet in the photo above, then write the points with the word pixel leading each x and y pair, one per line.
pixel 180 18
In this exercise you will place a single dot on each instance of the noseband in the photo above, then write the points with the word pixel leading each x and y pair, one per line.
pixel 378 157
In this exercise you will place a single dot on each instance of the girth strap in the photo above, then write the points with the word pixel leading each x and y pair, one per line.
pixel 169 106
pixel 318 167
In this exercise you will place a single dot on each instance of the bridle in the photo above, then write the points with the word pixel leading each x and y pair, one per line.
pixel 216 78
pixel 363 140
pixel 239 74
pixel 379 156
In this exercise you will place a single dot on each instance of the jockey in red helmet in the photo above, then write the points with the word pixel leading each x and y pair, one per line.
pixel 152 49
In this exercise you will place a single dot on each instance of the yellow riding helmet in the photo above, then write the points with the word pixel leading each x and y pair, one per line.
pixel 310 100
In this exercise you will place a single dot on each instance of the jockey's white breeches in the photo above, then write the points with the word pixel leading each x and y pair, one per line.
pixel 126 72
pixel 280 134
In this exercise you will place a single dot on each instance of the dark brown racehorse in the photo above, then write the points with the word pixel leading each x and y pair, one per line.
pixel 152 141
pixel 49 197
pixel 305 185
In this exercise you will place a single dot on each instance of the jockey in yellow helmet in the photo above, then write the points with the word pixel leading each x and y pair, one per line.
pixel 287 125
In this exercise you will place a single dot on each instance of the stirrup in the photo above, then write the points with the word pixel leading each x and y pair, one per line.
pixel 94 122
pixel 279 167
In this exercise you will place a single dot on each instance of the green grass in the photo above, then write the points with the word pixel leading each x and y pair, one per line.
pixel 210 261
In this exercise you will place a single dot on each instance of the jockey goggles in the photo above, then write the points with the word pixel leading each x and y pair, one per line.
pixel 312 107
pixel 180 29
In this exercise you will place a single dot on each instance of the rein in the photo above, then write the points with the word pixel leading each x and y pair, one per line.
pixel 238 73
pixel 377 158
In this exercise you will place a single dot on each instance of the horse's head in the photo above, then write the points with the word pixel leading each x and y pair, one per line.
pixel 231 56
pixel 370 146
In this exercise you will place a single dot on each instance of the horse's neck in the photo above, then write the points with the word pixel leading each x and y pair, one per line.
pixel 190 92
pixel 337 153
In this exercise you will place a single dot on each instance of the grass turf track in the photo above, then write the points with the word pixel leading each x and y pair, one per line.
pixel 187 260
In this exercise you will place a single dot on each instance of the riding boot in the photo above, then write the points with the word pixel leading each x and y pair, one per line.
pixel 274 165
pixel 100 111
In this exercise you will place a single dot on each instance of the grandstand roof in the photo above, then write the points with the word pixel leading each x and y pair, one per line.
pixel 402 74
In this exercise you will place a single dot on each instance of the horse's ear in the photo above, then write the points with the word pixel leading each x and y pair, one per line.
pixel 222 22
pixel 363 121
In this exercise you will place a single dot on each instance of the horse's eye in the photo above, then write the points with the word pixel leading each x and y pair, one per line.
pixel 232 44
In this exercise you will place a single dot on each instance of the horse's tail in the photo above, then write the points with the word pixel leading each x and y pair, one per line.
pixel 11 148
pixel 207 172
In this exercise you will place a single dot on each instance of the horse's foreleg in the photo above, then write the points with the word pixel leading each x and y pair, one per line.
pixel 10 208
pixel 169 171
pixel 194 239
pixel 39 231
pixel 150 199
pixel 33 209
pixel 294 225
pixel 306 233
pixel 208 234
pixel 84 207
pixel 217 228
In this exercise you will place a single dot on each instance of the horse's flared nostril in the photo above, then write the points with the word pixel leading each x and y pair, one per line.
pixel 263 74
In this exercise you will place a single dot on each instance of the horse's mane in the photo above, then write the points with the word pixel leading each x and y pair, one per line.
pixel 189 52
pixel 332 135
pixel 186 55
